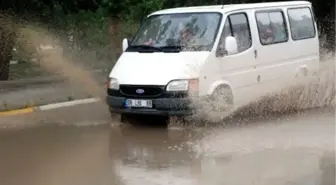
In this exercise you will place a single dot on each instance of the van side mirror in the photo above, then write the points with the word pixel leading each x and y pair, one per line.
pixel 125 44
pixel 221 52
pixel 231 45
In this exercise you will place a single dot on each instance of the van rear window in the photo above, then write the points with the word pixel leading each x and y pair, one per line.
pixel 301 23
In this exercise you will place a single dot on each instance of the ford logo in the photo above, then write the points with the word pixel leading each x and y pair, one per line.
pixel 140 91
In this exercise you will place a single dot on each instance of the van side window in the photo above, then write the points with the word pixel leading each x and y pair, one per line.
pixel 301 23
pixel 226 32
pixel 237 25
pixel 271 27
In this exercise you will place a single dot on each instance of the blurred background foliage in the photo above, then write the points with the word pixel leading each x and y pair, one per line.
pixel 95 28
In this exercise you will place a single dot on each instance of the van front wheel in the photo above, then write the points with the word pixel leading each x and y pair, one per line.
pixel 222 101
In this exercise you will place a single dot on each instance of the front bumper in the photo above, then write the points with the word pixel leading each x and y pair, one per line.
pixel 161 106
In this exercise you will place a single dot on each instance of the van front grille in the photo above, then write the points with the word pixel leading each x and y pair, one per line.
pixel 141 90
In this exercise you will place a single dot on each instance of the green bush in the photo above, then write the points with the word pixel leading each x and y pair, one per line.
pixel 87 34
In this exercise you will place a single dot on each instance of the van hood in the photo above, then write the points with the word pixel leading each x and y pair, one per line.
pixel 157 68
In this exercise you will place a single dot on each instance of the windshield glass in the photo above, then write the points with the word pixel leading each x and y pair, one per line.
pixel 187 31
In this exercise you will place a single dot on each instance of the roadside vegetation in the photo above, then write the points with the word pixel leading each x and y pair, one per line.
pixel 93 29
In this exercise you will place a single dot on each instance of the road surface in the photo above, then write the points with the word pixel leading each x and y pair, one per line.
pixel 81 145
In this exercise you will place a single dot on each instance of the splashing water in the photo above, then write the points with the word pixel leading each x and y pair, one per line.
pixel 51 59
pixel 253 149
pixel 285 96
pixel 275 154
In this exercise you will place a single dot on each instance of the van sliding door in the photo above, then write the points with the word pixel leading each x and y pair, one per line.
pixel 237 69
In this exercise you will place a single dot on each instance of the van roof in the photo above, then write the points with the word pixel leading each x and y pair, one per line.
pixel 229 7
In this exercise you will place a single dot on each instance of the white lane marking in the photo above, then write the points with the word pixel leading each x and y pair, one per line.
pixel 68 104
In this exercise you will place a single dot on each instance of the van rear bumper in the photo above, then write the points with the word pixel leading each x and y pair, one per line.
pixel 161 106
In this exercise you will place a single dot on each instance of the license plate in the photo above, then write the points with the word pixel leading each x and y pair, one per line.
pixel 139 103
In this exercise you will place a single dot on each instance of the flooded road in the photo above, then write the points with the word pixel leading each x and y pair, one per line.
pixel 78 146
pixel 82 145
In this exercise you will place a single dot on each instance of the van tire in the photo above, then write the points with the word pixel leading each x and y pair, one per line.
pixel 302 73
pixel 222 99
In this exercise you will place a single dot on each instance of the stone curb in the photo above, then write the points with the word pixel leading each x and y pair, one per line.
pixel 48 107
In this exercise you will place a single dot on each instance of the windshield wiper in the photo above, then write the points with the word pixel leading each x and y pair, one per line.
pixel 173 48
pixel 149 48
pixel 145 47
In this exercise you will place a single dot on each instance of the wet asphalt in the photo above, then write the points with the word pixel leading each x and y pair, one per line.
pixel 83 146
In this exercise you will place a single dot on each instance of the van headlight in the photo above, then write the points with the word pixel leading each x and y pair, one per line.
pixel 178 85
pixel 113 84
pixel 183 85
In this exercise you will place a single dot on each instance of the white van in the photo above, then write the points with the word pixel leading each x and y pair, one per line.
pixel 222 53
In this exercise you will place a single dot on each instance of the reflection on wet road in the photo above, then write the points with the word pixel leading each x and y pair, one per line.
pixel 282 151
pixel 52 155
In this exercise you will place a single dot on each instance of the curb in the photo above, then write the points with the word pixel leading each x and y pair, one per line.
pixel 49 107
pixel 17 111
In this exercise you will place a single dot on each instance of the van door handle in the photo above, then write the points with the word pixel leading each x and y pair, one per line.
pixel 255 53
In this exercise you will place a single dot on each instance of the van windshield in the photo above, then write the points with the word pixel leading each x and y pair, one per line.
pixel 182 32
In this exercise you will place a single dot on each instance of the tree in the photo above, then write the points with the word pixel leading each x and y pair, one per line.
pixel 99 25
pixel 7 40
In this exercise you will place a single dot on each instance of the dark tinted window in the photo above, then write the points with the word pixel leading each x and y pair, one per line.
pixel 301 23
pixel 271 27
pixel 197 30
pixel 237 25
pixel 241 31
